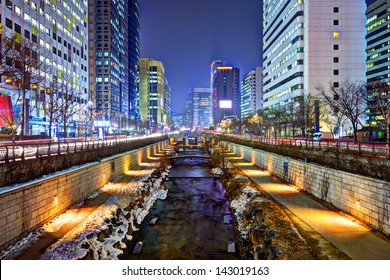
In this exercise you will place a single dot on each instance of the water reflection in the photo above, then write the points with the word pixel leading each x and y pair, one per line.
pixel 190 221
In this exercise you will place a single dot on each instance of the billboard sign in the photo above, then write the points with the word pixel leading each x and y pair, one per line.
pixel 6 112
pixel 225 104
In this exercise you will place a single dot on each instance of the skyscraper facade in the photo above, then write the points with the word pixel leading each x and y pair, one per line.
pixel 152 92
pixel 167 105
pixel 55 32
pixel 225 88
pixel 251 92
pixel 283 56
pixel 201 108
pixel 188 116
pixel 308 44
pixel 378 51
pixel 134 56
pixel 109 60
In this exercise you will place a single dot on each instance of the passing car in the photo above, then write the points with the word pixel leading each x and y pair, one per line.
pixel 318 136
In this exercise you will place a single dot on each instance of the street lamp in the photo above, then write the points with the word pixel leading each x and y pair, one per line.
pixel 90 108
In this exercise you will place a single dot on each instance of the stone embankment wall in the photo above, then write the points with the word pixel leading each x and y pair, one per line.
pixel 25 207
pixel 364 198
pixel 21 171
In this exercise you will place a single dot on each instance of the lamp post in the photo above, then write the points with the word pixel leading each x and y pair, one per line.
pixel 90 108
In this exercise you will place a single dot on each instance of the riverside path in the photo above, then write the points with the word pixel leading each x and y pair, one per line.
pixel 356 241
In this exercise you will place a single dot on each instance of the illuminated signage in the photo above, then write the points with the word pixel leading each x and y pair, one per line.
pixel 225 104
pixel 6 113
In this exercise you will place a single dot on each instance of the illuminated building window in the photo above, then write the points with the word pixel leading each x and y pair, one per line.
pixel 336 35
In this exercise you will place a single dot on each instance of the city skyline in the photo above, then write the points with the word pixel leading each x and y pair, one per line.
pixel 191 34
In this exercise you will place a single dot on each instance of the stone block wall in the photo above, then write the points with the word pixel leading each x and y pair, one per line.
pixel 365 198
pixel 27 206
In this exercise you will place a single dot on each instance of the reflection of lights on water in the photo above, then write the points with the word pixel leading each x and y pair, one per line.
pixel 138 172
pixel 147 164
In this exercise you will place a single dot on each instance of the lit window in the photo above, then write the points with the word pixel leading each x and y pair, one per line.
pixel 336 35
pixel 17 10
pixel 34 6
pixel 26 17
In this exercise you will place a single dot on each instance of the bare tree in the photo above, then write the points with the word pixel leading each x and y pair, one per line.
pixel 350 99
pixel 226 124
pixel 93 112
pixel 333 118
pixel 257 120
pixel 68 101
pixel 274 118
pixel 50 105
pixel 6 55
pixel 307 114
pixel 379 105
pixel 25 70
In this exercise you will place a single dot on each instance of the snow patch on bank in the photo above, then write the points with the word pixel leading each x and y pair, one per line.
pixel 104 232
pixel 241 203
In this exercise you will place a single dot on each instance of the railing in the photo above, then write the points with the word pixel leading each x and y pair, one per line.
pixel 368 148
pixel 22 150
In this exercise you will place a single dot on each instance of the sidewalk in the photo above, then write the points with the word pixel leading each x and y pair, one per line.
pixel 35 251
pixel 353 239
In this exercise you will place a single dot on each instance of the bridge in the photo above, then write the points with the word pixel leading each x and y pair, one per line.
pixel 190 156
pixel 191 138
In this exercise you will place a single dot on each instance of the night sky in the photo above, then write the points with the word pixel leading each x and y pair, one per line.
pixel 186 35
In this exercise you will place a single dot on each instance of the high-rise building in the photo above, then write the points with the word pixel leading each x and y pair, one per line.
pixel 108 25
pixel 201 108
pixel 56 31
pixel 188 116
pixel 134 56
pixel 225 89
pixel 177 120
pixel 251 92
pixel 310 43
pixel 378 51
pixel 167 105
pixel 152 91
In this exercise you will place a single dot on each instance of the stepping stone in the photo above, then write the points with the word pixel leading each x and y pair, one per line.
pixel 231 247
pixel 137 248
pixel 153 221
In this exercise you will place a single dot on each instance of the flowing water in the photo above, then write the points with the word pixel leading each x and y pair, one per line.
pixel 190 221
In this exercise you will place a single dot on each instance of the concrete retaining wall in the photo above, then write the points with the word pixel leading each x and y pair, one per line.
pixel 27 206
pixel 365 198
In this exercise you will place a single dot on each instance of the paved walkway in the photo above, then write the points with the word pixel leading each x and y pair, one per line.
pixel 90 205
pixel 354 240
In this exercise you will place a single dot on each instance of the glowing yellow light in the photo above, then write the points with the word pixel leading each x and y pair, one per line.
pixel 224 68
pixel 336 35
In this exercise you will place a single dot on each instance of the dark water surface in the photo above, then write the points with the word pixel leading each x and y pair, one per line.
pixel 190 221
